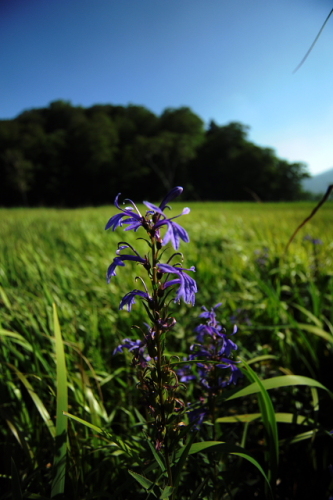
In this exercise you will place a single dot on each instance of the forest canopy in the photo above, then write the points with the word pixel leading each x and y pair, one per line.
pixel 66 155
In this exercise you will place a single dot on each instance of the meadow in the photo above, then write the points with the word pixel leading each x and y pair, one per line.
pixel 53 293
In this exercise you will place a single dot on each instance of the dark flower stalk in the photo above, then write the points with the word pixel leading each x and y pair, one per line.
pixel 216 371
pixel 157 379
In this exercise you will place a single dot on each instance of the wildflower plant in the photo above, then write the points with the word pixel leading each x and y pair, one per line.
pixel 166 282
pixel 172 426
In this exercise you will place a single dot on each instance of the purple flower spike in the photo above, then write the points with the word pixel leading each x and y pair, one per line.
pixel 129 299
pixel 214 345
pixel 187 286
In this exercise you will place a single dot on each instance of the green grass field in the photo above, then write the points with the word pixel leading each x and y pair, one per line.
pixel 281 302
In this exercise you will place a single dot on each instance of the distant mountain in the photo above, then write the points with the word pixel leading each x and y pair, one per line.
pixel 318 183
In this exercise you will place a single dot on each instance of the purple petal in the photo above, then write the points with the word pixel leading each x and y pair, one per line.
pixel 188 286
pixel 129 299
pixel 154 208
pixel 187 290
pixel 111 269
pixel 166 268
pixel 116 201
pixel 118 261
pixel 174 233
pixel 115 221
pixel 169 283
pixel 133 217
pixel 176 191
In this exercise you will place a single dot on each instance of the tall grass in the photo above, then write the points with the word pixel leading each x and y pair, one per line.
pixel 282 303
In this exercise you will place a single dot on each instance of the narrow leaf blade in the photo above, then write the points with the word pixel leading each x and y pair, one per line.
pixel 58 484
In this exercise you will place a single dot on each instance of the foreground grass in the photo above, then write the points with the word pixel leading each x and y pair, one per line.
pixel 282 304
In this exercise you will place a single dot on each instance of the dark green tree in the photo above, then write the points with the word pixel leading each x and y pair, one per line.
pixel 68 155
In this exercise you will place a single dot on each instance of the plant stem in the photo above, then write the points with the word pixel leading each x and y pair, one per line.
pixel 159 367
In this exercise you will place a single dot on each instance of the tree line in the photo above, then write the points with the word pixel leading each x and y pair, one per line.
pixel 66 155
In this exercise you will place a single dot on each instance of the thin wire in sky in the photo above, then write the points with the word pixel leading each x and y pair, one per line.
pixel 313 43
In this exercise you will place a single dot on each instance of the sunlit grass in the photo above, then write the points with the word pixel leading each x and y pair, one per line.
pixel 282 303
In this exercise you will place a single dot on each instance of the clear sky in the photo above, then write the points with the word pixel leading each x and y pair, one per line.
pixel 228 60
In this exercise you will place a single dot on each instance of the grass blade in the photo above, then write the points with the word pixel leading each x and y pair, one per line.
pixel 269 421
pixel 36 399
pixel 158 457
pixel 16 487
pixel 275 383
pixel 145 483
pixel 285 418
pixel 58 483
pixel 227 448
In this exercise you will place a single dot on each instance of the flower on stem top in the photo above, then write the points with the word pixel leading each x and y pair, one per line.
pixel 153 220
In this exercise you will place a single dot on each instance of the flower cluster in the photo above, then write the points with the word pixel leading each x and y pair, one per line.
pixel 212 353
pixel 214 348
pixel 153 220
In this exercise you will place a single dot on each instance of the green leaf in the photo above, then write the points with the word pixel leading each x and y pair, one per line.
pixel 309 314
pixel 158 457
pixel 286 418
pixel 7 333
pixel 58 483
pixel 167 492
pixel 253 462
pixel 269 421
pixel 226 448
pixel 17 339
pixel 246 417
pixel 316 330
pixel 300 437
pixel 277 382
pixel 36 399
pixel 99 430
pixel 204 445
pixel 4 297
pixel 182 456
pixel 197 491
pixel 258 359
pixel 23 442
pixel 145 483
pixel 84 422
pixel 16 487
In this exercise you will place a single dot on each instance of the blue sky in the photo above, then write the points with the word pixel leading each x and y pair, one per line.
pixel 228 60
